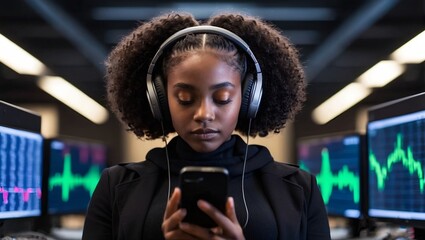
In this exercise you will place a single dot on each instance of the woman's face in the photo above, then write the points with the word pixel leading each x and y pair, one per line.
pixel 204 95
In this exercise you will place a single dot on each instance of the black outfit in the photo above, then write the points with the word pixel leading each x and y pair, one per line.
pixel 284 202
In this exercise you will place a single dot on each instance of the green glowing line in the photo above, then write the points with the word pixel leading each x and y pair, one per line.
pixel 396 156
pixel 69 181
pixel 344 178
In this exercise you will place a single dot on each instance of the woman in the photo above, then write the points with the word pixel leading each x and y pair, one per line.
pixel 203 82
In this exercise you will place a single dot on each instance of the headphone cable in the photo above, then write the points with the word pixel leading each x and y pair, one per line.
pixel 243 175
pixel 164 139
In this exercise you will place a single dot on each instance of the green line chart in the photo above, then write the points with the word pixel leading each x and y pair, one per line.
pixel 344 178
pixel 67 180
pixel 398 155
pixel 335 162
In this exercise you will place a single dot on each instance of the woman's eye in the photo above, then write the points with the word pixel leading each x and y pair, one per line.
pixel 223 102
pixel 184 98
pixel 184 102
pixel 222 98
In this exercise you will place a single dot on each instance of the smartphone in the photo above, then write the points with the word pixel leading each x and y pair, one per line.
pixel 207 183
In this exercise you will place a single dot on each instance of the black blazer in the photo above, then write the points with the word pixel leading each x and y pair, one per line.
pixel 293 194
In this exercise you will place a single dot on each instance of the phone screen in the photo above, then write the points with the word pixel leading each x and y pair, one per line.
pixel 207 183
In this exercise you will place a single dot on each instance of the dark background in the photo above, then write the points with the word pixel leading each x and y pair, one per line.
pixel 73 38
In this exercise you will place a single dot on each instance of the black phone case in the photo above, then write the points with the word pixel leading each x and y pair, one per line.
pixel 207 183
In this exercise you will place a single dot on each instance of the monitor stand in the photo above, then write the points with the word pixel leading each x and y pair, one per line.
pixel 16 225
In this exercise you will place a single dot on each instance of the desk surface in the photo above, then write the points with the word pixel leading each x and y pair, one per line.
pixel 66 234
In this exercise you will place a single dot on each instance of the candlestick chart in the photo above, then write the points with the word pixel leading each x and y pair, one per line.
pixel 336 164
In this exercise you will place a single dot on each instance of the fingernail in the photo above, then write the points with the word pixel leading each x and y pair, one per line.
pixel 183 211
pixel 231 201
pixel 202 203
pixel 183 225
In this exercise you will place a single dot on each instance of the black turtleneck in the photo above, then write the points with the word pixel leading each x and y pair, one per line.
pixel 231 156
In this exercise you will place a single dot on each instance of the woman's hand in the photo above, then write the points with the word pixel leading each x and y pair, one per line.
pixel 173 217
pixel 228 225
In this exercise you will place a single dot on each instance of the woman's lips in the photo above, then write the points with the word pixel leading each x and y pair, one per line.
pixel 205 133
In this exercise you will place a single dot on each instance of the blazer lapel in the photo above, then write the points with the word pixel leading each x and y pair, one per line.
pixel 286 199
pixel 133 199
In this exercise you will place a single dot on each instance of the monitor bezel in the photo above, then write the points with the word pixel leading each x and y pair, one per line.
pixel 19 118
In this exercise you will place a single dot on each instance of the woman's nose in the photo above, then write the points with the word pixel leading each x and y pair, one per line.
pixel 204 111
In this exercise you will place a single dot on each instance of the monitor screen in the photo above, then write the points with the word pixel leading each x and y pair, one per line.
pixel 74 167
pixel 396 158
pixel 336 162
pixel 21 154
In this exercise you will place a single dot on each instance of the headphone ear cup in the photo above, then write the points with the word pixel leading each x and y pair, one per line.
pixel 248 83
pixel 162 99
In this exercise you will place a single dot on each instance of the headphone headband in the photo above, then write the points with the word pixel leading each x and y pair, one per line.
pixel 257 87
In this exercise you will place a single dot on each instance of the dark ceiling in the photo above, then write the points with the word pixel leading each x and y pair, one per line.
pixel 338 40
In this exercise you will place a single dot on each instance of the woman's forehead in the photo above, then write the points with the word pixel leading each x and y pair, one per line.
pixel 204 69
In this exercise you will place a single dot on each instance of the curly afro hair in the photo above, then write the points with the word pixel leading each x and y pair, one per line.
pixel 283 76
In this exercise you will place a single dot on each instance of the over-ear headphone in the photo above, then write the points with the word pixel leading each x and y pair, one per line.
pixel 252 83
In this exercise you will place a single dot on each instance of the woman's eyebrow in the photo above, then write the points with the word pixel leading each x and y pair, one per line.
pixel 222 85
pixel 216 86
pixel 183 86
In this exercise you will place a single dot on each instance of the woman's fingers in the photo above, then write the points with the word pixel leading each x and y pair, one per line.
pixel 216 215
pixel 195 230
pixel 173 203
pixel 230 210
pixel 228 225
pixel 172 217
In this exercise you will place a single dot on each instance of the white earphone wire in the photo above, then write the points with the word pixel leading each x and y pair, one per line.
pixel 164 138
pixel 243 175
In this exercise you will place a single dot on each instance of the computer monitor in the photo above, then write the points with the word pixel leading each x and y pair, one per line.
pixel 21 152
pixel 396 158
pixel 336 161
pixel 74 167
